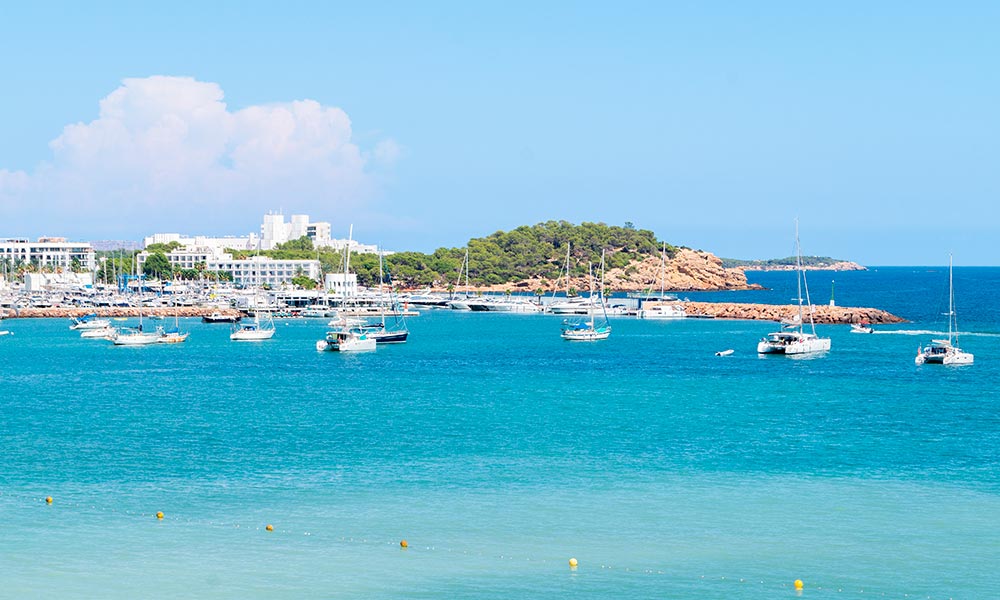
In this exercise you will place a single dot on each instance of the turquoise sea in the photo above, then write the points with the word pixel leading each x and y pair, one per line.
pixel 499 451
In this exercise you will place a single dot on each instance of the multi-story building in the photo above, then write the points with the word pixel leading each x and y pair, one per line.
pixel 263 270
pixel 252 271
pixel 52 252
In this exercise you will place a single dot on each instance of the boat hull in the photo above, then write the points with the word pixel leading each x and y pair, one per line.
pixel 257 335
pixel 802 346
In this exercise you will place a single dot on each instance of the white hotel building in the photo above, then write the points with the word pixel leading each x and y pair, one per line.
pixel 54 252
pixel 273 231
pixel 252 271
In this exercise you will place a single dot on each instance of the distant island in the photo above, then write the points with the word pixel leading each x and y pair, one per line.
pixel 812 263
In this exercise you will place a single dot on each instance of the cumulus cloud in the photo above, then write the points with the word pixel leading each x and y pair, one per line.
pixel 169 150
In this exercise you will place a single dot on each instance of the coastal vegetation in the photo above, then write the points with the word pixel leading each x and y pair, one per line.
pixel 526 252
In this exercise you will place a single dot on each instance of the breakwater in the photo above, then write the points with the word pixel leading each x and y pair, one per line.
pixel 776 312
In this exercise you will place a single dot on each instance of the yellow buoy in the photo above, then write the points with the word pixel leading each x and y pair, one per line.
pixel 798 584
pixel 48 499
pixel 403 544
pixel 159 514
pixel 573 563
pixel 269 527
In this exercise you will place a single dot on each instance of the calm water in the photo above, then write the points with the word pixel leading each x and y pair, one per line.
pixel 499 451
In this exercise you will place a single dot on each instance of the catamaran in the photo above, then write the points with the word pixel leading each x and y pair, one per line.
pixel 946 352
pixel 793 339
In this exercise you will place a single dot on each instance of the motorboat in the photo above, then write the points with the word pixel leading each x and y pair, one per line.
pixel 88 322
pixel 218 317
pixel 104 333
pixel 861 328
pixel 347 340
pixel 661 310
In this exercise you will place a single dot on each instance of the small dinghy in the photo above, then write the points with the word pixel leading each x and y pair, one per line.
pixel 724 352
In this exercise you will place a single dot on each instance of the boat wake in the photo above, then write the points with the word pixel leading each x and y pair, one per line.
pixel 931 332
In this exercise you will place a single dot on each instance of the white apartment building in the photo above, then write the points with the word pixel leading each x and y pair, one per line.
pixel 262 270
pixel 255 270
pixel 54 252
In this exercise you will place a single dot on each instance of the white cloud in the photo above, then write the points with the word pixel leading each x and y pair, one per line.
pixel 167 153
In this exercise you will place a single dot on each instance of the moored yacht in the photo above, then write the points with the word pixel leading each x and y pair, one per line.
pixel 253 331
pixel 347 340
pixel 946 352
pixel 793 339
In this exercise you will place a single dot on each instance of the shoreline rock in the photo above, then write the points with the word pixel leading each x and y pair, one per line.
pixel 822 314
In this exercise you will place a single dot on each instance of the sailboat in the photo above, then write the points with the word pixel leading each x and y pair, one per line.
pixel 792 338
pixel 662 309
pixel 174 335
pixel 462 302
pixel 135 336
pixel 589 330
pixel 573 305
pixel 254 330
pixel 946 352
pixel 396 332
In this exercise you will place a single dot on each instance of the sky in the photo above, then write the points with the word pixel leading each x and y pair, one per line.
pixel 714 124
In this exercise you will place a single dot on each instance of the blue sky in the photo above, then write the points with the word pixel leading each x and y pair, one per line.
pixel 713 124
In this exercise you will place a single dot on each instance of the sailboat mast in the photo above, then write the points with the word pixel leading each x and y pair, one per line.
pixel 663 268
pixel 951 298
pixel 802 283
pixel 567 269
pixel 590 278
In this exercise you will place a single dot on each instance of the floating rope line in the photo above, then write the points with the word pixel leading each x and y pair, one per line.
pixel 57 503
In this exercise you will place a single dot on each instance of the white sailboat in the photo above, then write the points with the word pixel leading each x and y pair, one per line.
pixel 793 339
pixel 135 336
pixel 174 335
pixel 662 309
pixel 253 330
pixel 462 302
pixel 589 330
pixel 946 352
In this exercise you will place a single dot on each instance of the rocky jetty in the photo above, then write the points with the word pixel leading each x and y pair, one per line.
pixel 775 312
pixel 66 313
